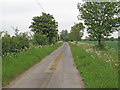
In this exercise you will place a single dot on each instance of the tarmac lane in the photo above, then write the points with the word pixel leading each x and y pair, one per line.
pixel 56 70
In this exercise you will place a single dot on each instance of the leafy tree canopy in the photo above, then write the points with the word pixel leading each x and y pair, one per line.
pixel 46 25
pixel 77 31
pixel 63 35
pixel 100 17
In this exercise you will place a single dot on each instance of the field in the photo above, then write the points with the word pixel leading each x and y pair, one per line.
pixel 109 44
pixel 14 65
pixel 98 68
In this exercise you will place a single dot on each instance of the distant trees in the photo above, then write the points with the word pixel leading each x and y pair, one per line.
pixel 104 39
pixel 70 36
pixel 75 34
pixel 63 35
pixel 77 31
pixel 111 39
pixel 100 17
pixel 44 28
pixel 90 39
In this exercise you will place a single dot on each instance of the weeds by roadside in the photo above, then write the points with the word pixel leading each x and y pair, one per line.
pixel 98 68
pixel 14 65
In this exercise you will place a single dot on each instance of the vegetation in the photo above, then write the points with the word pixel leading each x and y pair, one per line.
pixel 100 17
pixel 44 25
pixel 14 65
pixel 0 71
pixel 105 39
pixel 22 51
pixel 45 32
pixel 18 42
pixel 40 39
pixel 108 44
pixel 75 34
pixel 97 67
pixel 63 35
pixel 77 31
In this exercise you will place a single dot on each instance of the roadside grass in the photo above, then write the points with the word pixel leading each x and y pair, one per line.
pixel 98 68
pixel 52 68
pixel 0 71
pixel 112 44
pixel 109 44
pixel 14 65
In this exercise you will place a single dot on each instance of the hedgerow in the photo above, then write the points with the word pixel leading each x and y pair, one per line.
pixel 15 43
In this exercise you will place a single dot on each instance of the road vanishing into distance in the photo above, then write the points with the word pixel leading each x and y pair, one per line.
pixel 56 70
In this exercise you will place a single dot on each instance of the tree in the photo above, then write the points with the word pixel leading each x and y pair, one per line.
pixel 45 25
pixel 77 31
pixel 40 39
pixel 6 41
pixel 100 17
pixel 63 35
pixel 69 35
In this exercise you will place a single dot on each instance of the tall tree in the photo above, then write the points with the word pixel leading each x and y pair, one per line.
pixel 77 31
pixel 100 17
pixel 63 35
pixel 46 25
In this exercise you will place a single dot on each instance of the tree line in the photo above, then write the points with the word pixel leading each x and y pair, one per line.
pixel 105 39
pixel 44 30
pixel 100 19
pixel 75 34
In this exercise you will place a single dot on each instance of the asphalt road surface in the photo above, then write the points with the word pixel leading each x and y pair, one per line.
pixel 56 70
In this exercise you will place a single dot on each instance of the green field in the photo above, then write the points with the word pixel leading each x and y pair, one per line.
pixel 14 65
pixel 98 68
pixel 109 44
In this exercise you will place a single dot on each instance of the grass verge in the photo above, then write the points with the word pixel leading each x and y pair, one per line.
pixel 98 68
pixel 14 65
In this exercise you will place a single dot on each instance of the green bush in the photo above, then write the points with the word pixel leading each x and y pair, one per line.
pixel 54 40
pixel 40 39
pixel 15 43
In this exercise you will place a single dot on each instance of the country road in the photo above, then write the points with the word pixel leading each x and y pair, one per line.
pixel 56 70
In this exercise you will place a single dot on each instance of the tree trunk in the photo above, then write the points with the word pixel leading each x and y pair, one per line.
pixel 99 41
pixel 76 41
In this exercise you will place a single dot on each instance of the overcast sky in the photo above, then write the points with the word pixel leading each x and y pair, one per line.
pixel 19 13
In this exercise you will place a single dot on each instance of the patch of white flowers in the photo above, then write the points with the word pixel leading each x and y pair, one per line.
pixel 98 53
pixel 59 41
pixel 117 64
pixel 89 50
pixel 92 56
